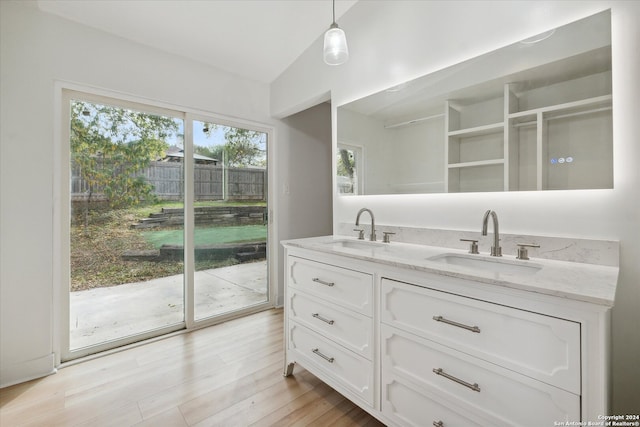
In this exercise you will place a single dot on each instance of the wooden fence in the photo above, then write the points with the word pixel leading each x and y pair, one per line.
pixel 211 182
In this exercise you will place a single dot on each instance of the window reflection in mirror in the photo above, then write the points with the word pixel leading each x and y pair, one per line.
pixel 349 161
pixel 534 115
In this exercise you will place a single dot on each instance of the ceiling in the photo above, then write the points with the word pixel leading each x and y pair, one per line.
pixel 256 39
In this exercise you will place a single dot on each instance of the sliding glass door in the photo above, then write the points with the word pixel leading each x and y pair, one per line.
pixel 230 205
pixel 165 225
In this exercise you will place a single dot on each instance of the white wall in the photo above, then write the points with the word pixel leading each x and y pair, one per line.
pixel 305 178
pixel 38 49
pixel 403 159
pixel 393 41
pixel 370 134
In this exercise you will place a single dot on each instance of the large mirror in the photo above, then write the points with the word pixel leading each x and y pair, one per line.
pixel 534 115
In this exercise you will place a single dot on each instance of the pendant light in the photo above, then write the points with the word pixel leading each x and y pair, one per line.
pixel 336 51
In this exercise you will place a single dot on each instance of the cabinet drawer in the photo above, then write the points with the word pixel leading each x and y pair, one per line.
pixel 542 347
pixel 407 405
pixel 331 362
pixel 342 286
pixel 473 384
pixel 350 329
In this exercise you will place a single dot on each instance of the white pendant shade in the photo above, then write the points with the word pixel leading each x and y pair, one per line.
pixel 336 51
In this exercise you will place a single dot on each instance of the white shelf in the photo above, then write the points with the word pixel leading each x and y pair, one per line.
pixel 568 107
pixel 476 163
pixel 504 163
pixel 478 130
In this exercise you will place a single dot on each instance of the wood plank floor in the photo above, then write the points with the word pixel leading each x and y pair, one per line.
pixel 224 375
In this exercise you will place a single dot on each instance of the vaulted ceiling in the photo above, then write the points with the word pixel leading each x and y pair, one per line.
pixel 256 39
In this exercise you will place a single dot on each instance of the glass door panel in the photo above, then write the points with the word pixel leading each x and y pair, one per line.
pixel 126 224
pixel 230 205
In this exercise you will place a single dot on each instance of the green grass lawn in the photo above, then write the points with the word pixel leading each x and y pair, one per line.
pixel 208 235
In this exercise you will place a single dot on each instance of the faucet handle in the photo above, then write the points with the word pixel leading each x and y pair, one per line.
pixel 360 233
pixel 385 237
pixel 473 247
pixel 522 250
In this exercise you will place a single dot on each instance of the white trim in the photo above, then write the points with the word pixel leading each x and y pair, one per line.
pixel 57 299
pixel 189 225
pixel 272 224
pixel 64 92
pixel 60 250
pixel 27 370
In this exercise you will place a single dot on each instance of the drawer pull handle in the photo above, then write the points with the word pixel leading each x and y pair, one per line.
pixel 459 325
pixel 322 282
pixel 474 386
pixel 325 320
pixel 438 424
pixel 327 358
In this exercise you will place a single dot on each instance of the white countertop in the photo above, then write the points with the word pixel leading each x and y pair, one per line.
pixel 573 280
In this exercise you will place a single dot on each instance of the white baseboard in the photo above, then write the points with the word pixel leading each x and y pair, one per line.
pixel 25 371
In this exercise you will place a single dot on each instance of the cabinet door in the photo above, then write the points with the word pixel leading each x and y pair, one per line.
pixel 348 288
pixel 473 384
pixel 542 347
pixel 350 329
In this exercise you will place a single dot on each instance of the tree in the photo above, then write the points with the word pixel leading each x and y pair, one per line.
pixel 110 146
pixel 243 147
pixel 346 163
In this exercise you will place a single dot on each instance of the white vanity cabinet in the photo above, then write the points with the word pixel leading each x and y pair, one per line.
pixel 542 347
pixel 508 366
pixel 329 313
pixel 416 347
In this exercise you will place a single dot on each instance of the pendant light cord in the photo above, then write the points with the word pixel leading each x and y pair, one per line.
pixel 334 11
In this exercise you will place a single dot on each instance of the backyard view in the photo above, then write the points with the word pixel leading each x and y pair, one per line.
pixel 127 247
pixel 99 249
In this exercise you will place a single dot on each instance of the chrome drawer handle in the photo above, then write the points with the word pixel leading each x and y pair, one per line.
pixel 438 424
pixel 459 325
pixel 322 282
pixel 474 386
pixel 327 358
pixel 325 320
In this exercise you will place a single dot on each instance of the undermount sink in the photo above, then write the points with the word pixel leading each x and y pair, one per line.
pixel 494 264
pixel 355 244
pixel 369 248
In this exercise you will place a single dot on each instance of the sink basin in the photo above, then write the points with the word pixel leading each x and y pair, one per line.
pixel 357 247
pixel 378 249
pixel 355 244
pixel 408 252
pixel 495 265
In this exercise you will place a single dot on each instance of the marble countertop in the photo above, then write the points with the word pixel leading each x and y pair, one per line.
pixel 573 280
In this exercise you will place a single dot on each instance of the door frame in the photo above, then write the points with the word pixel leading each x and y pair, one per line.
pixel 63 92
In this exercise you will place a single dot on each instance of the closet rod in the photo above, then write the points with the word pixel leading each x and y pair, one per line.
pixel 410 122
pixel 563 116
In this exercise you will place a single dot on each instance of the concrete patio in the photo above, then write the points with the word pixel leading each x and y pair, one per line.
pixel 104 314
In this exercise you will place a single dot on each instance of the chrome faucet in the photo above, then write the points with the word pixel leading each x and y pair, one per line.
pixel 372 237
pixel 496 250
